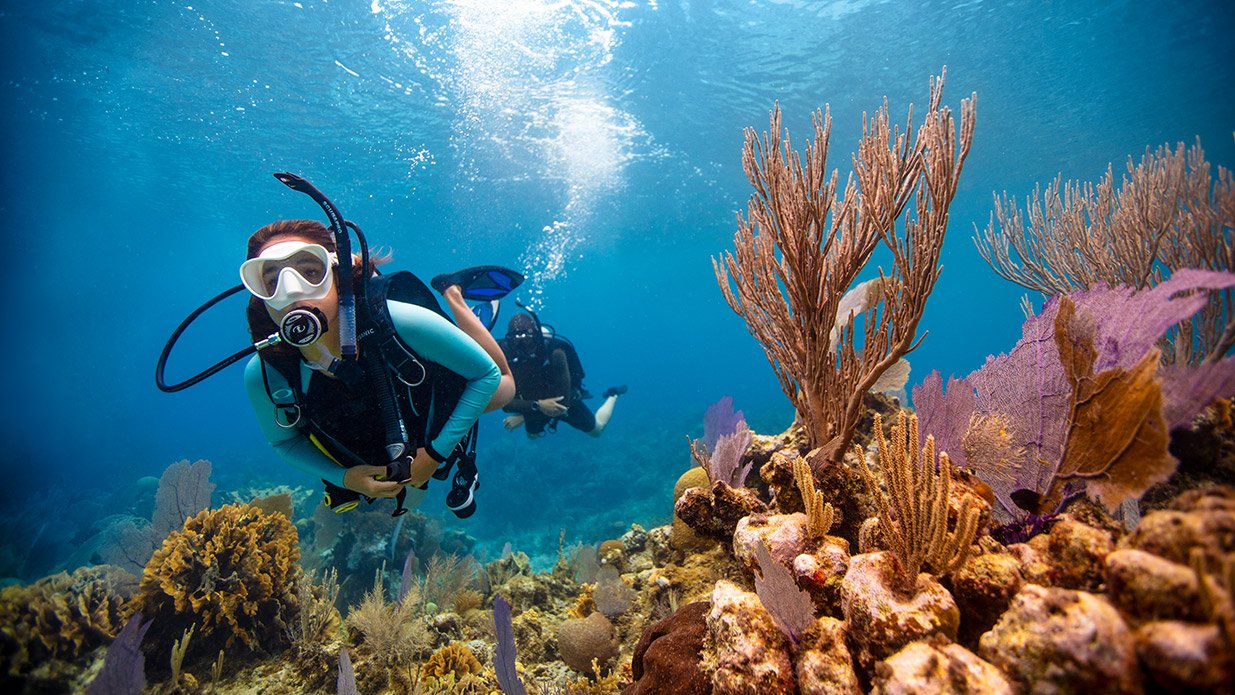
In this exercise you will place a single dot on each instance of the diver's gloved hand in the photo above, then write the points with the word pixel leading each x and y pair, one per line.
pixel 367 481
pixel 553 407
pixel 512 422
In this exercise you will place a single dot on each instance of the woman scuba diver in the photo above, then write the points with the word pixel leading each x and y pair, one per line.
pixel 360 378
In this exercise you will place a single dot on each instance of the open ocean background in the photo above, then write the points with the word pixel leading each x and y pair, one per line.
pixel 594 145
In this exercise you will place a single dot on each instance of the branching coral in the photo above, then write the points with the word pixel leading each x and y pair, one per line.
pixel 232 570
pixel 913 514
pixel 799 249
pixel 1166 214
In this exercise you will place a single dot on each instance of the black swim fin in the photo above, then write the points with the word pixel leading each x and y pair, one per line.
pixel 480 283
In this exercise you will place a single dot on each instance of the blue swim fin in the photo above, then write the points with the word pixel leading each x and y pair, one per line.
pixel 480 283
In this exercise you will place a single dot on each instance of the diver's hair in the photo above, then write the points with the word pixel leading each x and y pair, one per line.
pixel 260 323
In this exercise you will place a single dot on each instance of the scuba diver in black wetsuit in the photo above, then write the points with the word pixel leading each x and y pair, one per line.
pixel 362 379
pixel 549 381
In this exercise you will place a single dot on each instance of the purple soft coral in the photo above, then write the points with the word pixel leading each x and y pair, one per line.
pixel 720 420
pixel 1027 387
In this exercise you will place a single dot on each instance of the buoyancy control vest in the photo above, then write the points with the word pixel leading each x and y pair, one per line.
pixel 344 417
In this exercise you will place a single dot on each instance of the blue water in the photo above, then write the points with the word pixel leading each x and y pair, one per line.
pixel 595 145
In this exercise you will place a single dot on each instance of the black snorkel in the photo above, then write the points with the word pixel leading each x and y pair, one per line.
pixel 343 247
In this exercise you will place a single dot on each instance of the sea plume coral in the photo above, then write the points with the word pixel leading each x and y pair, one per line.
pixel 799 249
pixel 233 571
pixel 1167 214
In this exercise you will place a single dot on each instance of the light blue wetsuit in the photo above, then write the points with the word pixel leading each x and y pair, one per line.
pixel 432 337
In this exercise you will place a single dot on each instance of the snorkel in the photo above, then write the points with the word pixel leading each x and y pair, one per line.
pixel 343 247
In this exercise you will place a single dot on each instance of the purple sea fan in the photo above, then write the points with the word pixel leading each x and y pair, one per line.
pixel 792 609
pixel 720 420
pixel 1022 400
pixel 725 462
pixel 123 671
pixel 945 414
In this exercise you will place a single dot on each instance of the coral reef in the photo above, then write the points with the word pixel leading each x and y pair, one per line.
pixel 59 618
pixel 233 572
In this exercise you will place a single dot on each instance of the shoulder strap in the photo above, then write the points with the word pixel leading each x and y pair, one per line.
pixel 444 386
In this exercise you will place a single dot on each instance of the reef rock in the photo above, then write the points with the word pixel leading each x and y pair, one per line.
pixel 1181 657
pixel 1032 555
pixel 582 640
pixel 921 668
pixel 1202 519
pixel 1078 554
pixel 884 615
pixel 666 659
pixel 983 589
pixel 823 663
pixel 821 572
pixel 714 512
pixel 784 535
pixel 1063 641
pixel 684 538
pixel 744 651
pixel 1147 587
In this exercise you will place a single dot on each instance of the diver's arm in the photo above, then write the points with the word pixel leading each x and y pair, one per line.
pixel 440 341
pixel 520 406
pixel 290 443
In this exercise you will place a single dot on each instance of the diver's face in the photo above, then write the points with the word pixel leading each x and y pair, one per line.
pixel 524 341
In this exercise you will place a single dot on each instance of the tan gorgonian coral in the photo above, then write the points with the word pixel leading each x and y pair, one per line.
pixel 818 515
pixel 913 514
pixel 799 249
pixel 468 599
pixel 391 632
pixel 1167 213
pixel 445 576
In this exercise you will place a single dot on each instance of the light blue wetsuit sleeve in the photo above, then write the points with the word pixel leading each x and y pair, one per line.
pixel 438 340
pixel 291 443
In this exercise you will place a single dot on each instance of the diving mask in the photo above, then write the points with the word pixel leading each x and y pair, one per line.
pixel 289 272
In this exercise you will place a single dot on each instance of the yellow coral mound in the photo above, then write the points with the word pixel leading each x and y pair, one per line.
pixel 233 571
pixel 61 617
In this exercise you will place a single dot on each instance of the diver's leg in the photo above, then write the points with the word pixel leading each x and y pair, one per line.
pixel 477 331
pixel 605 411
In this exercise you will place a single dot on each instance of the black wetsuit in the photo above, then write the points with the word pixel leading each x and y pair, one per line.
pixel 546 374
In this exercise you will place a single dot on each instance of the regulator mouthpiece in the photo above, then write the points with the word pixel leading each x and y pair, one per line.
pixel 303 327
